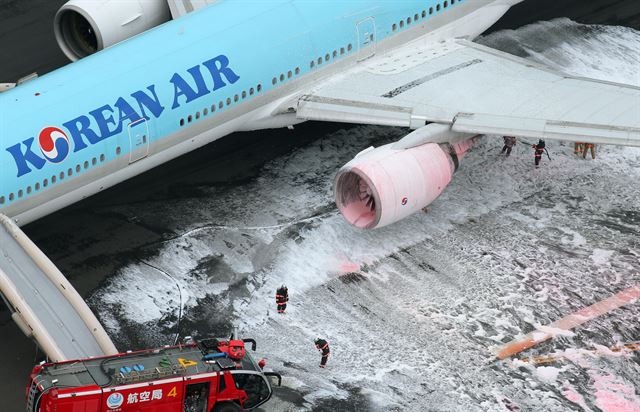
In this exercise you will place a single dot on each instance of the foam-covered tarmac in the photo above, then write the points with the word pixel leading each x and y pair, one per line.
pixel 460 279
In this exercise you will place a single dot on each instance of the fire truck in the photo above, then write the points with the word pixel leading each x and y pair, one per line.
pixel 210 375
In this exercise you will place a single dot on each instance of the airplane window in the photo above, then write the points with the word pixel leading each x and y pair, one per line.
pixel 281 77
pixel 53 179
pixel 297 70
pixel 118 150
pixel 371 37
pixel 228 101
pixel 235 98
pixel 342 48
pixel 349 47
pixel 313 63
pixel 319 60
pixel 69 172
pixel 335 54
pixel 20 193
pixel 28 189
pixel 274 80
pixel 424 14
pixel 78 168
pixel 259 88
pixel 446 4
pixel 1 200
pixel 197 115
pixel 251 91
pixel 37 186
pixel 401 23
pixel 438 7
pixel 220 105
pixel 189 119
pixel 430 10
pixel 327 57
pixel 181 122
pixel 415 17
pixel 393 27
pixel 453 2
pixel 62 174
pixel 244 94
pixel 408 21
pixel 11 196
pixel 45 182
pixel 205 111
pixel 86 166
pixel 94 161
pixel 289 74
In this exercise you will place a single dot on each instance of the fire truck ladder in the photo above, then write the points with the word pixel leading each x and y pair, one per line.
pixel 44 304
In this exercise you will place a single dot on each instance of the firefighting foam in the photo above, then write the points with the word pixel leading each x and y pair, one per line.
pixel 627 296
pixel 504 248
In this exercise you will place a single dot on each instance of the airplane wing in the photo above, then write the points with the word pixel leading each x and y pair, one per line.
pixel 477 90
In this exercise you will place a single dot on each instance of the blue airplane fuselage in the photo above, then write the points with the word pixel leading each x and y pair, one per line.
pixel 82 125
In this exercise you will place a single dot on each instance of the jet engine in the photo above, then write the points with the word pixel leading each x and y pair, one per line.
pixel 83 27
pixel 384 185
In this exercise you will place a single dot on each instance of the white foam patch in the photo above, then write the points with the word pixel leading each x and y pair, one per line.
pixel 436 294
pixel 547 374
pixel 601 257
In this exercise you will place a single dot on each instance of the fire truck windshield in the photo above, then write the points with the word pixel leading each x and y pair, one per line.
pixel 255 385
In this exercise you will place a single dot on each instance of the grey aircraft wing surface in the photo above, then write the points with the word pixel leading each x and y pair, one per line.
pixel 476 90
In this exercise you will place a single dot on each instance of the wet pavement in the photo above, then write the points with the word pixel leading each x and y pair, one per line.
pixel 411 311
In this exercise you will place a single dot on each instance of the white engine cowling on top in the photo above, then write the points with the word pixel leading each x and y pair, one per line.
pixel 83 27
pixel 384 185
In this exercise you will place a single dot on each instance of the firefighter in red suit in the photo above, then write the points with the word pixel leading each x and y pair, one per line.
pixel 282 297
pixel 323 347
pixel 540 148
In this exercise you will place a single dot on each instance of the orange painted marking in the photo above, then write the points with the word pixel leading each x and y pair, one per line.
pixel 571 321
pixel 629 347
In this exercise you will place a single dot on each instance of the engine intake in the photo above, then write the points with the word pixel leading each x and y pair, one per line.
pixel 84 27
pixel 384 185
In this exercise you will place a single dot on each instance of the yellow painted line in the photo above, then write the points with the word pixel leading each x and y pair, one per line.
pixel 571 321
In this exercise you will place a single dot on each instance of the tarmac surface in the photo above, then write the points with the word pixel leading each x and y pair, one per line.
pixel 93 239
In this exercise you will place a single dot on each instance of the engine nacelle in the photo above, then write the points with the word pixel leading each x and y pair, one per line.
pixel 83 27
pixel 384 185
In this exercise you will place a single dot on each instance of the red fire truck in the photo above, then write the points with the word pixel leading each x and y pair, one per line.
pixel 210 375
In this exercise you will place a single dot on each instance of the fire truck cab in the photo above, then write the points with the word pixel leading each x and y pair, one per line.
pixel 211 375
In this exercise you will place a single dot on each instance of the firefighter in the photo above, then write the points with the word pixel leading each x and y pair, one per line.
pixel 540 148
pixel 588 146
pixel 509 142
pixel 578 148
pixel 282 297
pixel 323 347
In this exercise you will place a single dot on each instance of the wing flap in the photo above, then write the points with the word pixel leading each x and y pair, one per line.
pixel 476 89
pixel 478 123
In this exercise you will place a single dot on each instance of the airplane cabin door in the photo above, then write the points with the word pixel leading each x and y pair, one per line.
pixel 138 140
pixel 366 38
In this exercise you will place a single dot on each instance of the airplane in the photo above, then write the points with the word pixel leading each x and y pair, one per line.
pixel 155 79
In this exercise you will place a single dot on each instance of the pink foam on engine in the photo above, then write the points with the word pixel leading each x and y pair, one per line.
pixel 358 214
